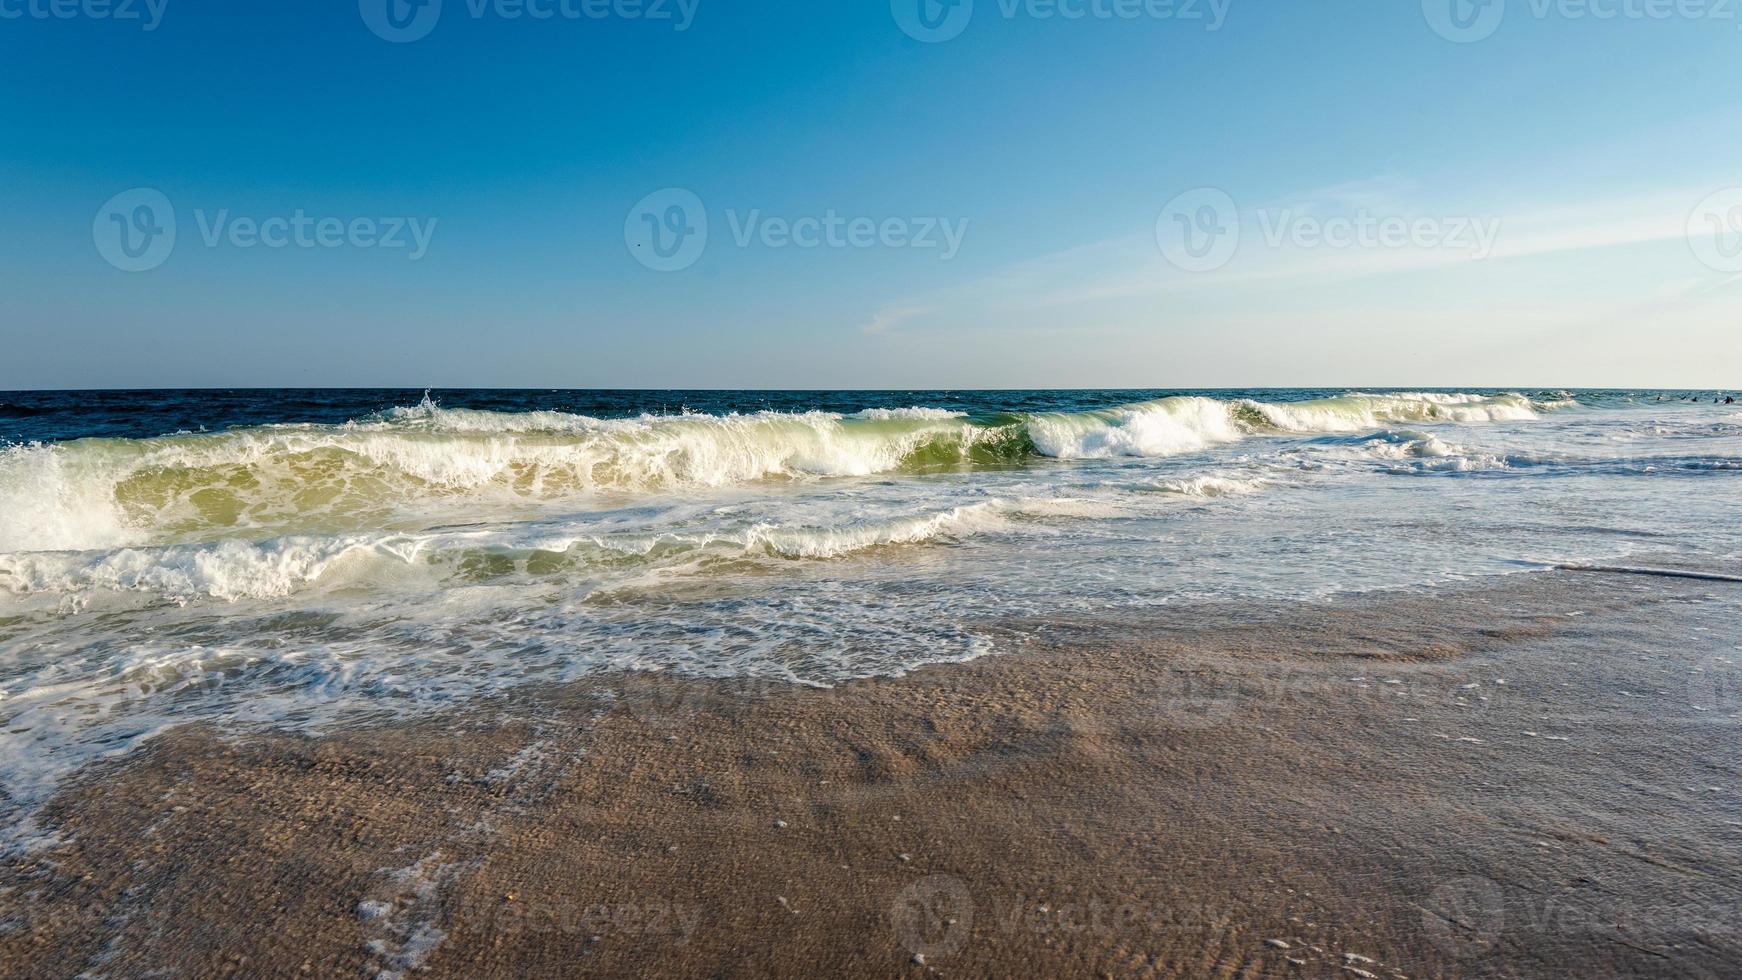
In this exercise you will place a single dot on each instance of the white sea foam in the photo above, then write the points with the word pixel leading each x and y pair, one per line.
pixel 232 570
pixel 226 570
pixel 1213 486
pixel 1356 412
pixel 926 414
pixel 58 497
pixel 392 470
pixel 1163 428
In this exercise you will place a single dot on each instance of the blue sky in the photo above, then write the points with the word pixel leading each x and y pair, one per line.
pixel 1053 147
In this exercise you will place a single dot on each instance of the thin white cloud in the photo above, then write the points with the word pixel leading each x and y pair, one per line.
pixel 886 320
pixel 1132 267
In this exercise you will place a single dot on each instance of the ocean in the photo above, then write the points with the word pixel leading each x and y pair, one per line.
pixel 316 559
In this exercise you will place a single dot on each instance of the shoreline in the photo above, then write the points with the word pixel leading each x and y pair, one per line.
pixel 1508 777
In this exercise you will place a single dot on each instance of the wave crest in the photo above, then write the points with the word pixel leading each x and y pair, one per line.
pixel 391 471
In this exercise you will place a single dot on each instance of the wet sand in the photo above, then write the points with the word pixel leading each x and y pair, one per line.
pixel 1530 777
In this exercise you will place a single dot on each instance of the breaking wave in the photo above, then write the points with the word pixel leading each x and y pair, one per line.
pixel 236 569
pixel 389 472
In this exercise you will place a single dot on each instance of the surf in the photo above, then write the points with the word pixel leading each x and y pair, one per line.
pixel 391 471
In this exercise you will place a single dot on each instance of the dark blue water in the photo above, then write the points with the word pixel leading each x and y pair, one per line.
pixel 59 416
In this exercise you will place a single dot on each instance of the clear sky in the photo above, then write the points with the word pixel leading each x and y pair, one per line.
pixel 1184 194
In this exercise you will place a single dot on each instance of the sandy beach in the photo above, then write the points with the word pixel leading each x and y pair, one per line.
pixel 1524 777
